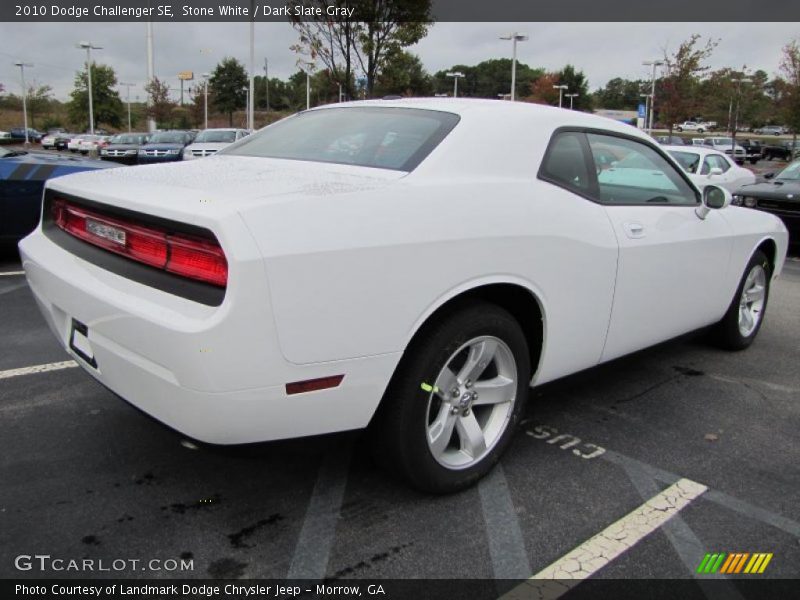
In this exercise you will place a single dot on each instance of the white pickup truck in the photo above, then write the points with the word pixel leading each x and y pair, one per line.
pixel 698 126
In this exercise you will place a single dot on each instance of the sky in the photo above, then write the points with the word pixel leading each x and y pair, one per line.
pixel 601 50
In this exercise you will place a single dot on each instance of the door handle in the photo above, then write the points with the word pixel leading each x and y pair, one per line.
pixel 634 230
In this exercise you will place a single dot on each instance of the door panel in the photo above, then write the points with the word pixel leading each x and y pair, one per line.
pixel 670 277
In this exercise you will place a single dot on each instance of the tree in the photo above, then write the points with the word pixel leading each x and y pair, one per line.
pixel 39 97
pixel 107 105
pixel 620 94
pixel 159 106
pixel 790 76
pixel 404 74
pixel 576 83
pixel 488 79
pixel 542 90
pixel 384 28
pixel 228 85
pixel 678 97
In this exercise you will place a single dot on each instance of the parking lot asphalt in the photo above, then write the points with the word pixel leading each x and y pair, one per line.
pixel 84 475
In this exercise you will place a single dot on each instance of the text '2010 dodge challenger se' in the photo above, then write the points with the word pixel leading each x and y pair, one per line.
pixel 411 265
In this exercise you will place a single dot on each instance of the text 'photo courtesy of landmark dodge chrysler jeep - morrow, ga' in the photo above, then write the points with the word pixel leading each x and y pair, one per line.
pixel 411 266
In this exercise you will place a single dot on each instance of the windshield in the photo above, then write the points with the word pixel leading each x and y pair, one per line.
pixel 168 137
pixel 127 138
pixel 384 138
pixel 211 136
pixel 687 160
pixel 790 173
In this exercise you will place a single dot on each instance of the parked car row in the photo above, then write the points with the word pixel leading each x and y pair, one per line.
pixel 744 149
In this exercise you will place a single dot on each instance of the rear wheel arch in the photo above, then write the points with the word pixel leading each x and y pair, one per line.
pixel 520 301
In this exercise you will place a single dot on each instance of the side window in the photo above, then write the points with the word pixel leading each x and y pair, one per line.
pixel 565 163
pixel 712 161
pixel 636 174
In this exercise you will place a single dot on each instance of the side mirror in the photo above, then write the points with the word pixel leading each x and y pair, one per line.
pixel 769 175
pixel 715 171
pixel 714 198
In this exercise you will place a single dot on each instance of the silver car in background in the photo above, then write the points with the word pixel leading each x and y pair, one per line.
pixel 209 141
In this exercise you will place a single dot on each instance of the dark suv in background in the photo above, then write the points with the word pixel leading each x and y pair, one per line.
pixel 165 146
pixel 124 148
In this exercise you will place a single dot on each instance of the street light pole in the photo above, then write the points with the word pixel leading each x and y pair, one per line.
pixel 646 107
pixel 560 89
pixel 571 98
pixel 128 86
pixel 251 92
pixel 205 100
pixel 22 66
pixel 455 75
pixel 514 37
pixel 89 47
pixel 151 122
pixel 655 64
pixel 738 81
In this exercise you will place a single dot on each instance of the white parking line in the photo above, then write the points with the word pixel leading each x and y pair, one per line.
pixel 591 556
pixel 56 366
pixel 9 273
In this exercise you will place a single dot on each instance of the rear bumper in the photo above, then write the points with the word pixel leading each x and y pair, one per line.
pixel 215 374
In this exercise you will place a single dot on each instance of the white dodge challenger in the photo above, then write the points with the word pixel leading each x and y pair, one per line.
pixel 411 265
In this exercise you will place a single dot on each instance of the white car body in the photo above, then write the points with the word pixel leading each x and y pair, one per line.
pixel 701 169
pixel 692 126
pixel 48 141
pixel 91 143
pixel 333 269
pixel 200 149
pixel 5 135
pixel 74 144
pixel 724 145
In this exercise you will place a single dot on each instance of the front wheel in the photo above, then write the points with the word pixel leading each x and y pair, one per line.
pixel 452 406
pixel 741 323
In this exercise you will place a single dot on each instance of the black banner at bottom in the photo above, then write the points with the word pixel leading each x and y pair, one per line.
pixel 401 589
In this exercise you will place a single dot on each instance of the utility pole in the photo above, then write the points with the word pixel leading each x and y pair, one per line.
pixel 151 123
pixel 22 66
pixel 455 75
pixel 205 100
pixel 129 86
pixel 514 37
pixel 655 64
pixel 560 89
pixel 251 87
pixel 266 80
pixel 89 47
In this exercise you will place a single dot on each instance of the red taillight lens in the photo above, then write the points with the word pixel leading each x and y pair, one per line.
pixel 194 258
pixel 197 259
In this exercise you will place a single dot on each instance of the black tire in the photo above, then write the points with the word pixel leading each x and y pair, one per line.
pixel 399 430
pixel 727 333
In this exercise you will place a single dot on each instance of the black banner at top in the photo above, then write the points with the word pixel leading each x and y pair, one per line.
pixel 411 10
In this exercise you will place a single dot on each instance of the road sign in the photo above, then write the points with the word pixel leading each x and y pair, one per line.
pixel 186 75
pixel 642 111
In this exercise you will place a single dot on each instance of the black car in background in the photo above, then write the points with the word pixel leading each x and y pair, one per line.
pixel 753 149
pixel 124 148
pixel 779 195
pixel 18 133
pixel 780 150
pixel 62 139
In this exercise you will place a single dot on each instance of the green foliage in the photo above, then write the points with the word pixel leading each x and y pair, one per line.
pixel 160 106
pixel 404 75
pixel 108 108
pixel 488 79
pixel 790 85
pixel 678 97
pixel 621 94
pixel 227 87
pixel 385 28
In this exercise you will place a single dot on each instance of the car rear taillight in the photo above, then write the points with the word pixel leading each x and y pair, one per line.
pixel 188 256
